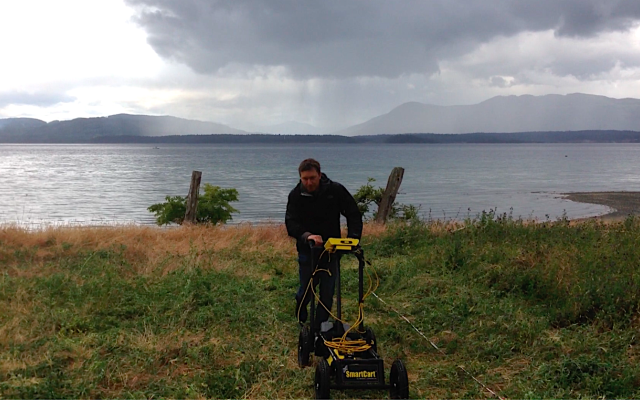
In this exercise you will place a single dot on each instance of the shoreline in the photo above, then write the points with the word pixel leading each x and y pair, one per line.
pixel 623 204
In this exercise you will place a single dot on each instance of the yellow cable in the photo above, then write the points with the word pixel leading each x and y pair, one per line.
pixel 311 285
pixel 342 344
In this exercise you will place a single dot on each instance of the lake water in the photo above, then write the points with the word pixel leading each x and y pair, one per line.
pixel 111 184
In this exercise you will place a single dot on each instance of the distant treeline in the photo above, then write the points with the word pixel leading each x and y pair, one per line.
pixel 592 136
pixel 227 138
pixel 427 138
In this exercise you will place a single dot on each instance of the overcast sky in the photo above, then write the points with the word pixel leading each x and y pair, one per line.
pixel 330 63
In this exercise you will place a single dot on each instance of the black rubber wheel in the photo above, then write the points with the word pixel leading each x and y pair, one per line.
pixel 399 381
pixel 304 347
pixel 323 372
pixel 370 338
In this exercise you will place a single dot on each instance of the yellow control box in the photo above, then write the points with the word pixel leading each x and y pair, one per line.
pixel 347 244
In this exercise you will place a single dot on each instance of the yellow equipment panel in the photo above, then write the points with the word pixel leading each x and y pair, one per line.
pixel 347 244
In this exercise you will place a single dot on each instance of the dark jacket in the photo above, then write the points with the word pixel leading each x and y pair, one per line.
pixel 318 213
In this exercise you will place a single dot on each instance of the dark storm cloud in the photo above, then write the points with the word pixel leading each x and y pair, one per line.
pixel 574 18
pixel 586 18
pixel 337 38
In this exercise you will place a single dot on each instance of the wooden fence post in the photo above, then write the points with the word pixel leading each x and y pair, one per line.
pixel 390 193
pixel 192 198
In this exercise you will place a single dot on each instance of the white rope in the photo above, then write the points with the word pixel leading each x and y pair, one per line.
pixel 437 348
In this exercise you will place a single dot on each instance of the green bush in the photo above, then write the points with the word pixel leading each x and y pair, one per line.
pixel 368 195
pixel 213 207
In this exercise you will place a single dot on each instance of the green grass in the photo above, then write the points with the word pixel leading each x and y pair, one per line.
pixel 532 310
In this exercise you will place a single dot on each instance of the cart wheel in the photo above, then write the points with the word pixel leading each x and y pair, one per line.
pixel 322 380
pixel 370 337
pixel 399 381
pixel 304 347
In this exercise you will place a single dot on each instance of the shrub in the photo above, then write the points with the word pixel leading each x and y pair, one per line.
pixel 213 207
pixel 368 195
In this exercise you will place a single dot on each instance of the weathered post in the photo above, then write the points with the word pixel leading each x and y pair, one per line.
pixel 390 193
pixel 192 198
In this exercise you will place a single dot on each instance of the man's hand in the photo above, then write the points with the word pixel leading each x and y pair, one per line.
pixel 317 239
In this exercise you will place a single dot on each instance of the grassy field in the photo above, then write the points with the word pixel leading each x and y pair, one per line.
pixel 531 310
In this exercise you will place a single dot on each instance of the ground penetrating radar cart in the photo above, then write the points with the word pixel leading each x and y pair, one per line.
pixel 348 355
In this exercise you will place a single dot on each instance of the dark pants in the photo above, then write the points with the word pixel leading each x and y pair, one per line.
pixel 327 282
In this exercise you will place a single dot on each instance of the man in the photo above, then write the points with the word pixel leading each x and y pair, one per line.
pixel 313 214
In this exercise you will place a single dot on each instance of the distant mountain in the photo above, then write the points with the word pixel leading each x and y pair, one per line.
pixel 20 123
pixel 575 118
pixel 83 130
pixel 290 128
pixel 573 112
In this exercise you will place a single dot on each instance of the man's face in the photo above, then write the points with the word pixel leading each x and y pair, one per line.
pixel 310 180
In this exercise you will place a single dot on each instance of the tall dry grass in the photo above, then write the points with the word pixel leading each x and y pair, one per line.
pixel 32 252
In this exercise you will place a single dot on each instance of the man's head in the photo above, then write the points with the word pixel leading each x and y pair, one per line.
pixel 309 170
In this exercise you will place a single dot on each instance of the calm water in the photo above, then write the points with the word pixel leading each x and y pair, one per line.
pixel 106 184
